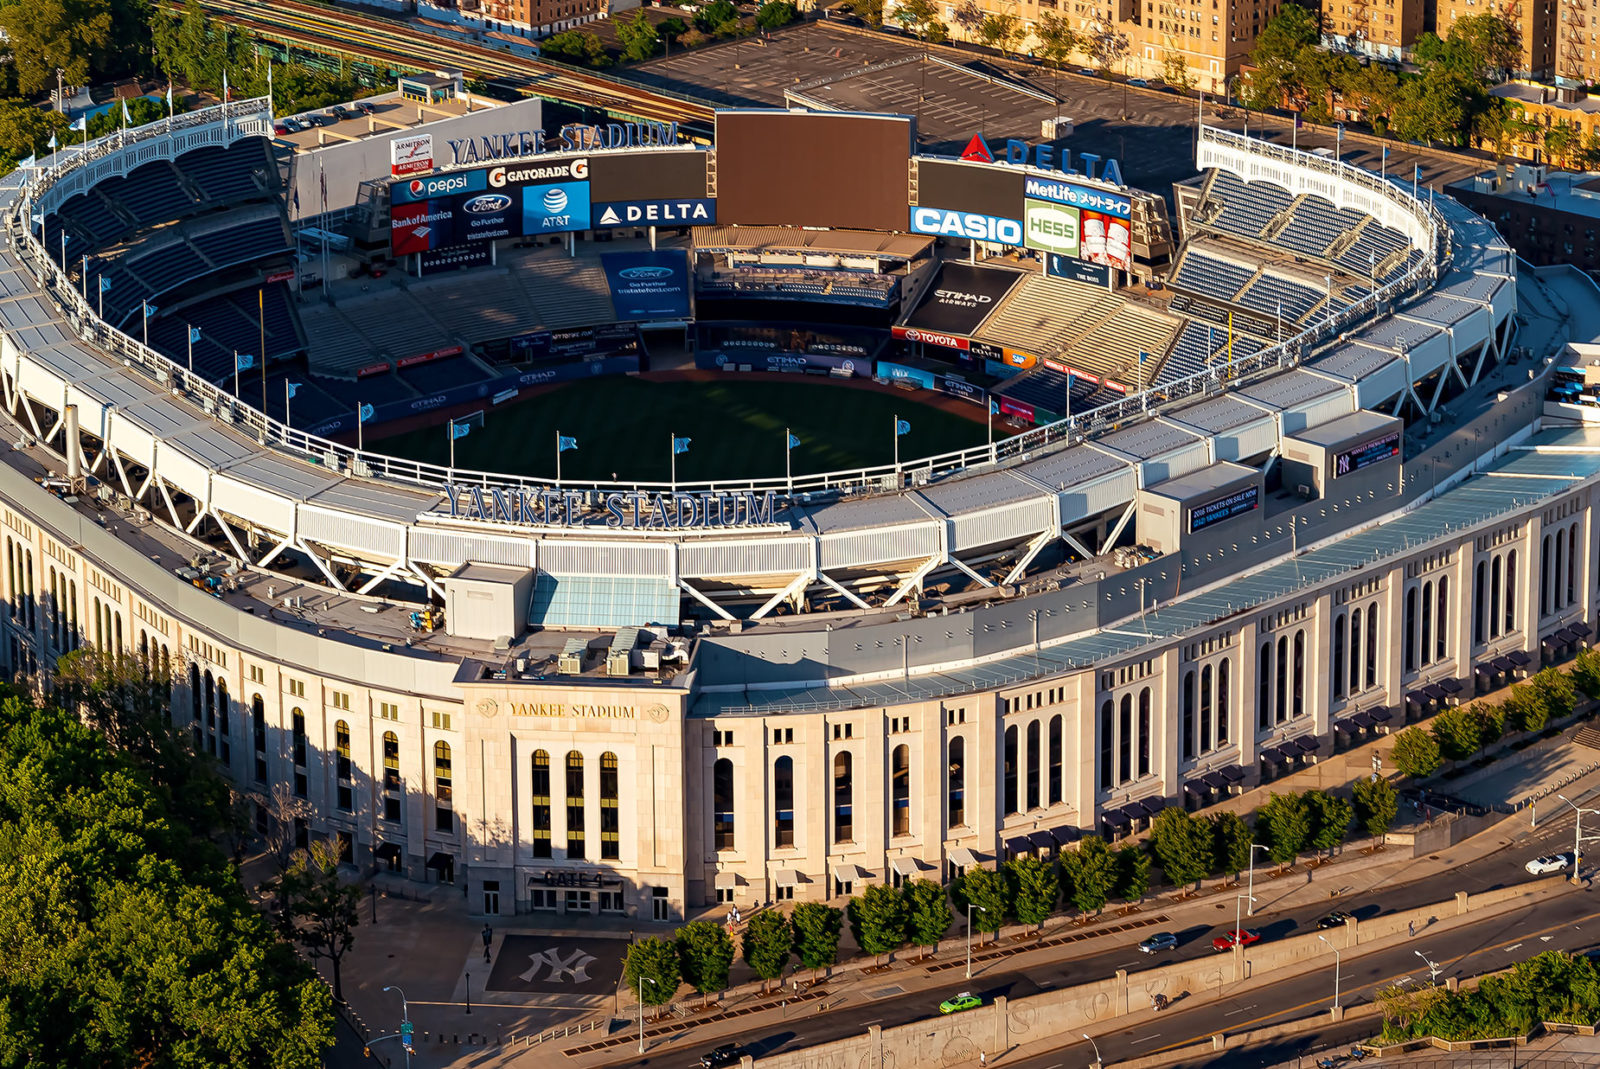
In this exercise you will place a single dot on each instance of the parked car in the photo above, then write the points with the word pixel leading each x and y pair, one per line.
pixel 727 1054
pixel 1155 944
pixel 1543 866
pixel 280 128
pixel 318 119
pixel 964 1001
pixel 1088 72
pixel 340 113
pixel 362 107
pixel 1139 83
pixel 1243 936
pixel 1336 919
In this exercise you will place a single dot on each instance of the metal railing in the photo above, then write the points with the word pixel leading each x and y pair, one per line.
pixel 252 117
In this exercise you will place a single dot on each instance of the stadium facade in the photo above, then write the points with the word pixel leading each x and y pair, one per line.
pixel 1363 520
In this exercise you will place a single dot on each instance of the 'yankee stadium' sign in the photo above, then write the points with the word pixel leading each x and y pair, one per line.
pixel 574 137
pixel 634 509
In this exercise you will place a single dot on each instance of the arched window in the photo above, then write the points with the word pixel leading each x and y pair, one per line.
pixel 1411 629
pixel 1544 577
pixel 610 824
pixel 783 802
pixel 1300 672
pixel 722 804
pixel 1010 770
pixel 1355 650
pixel 341 761
pixel 1035 759
pixel 1441 621
pixel 1264 686
pixel 1372 644
pixel 1511 591
pixel 1341 625
pixel 391 761
pixel 298 738
pixel 1188 715
pixel 1145 732
pixel 575 836
pixel 1223 699
pixel 1478 604
pixel 1494 597
pixel 195 697
pixel 1056 741
pixel 900 790
pixel 1107 744
pixel 258 737
pixel 956 788
pixel 540 795
pixel 843 793
pixel 222 709
pixel 1572 564
pixel 1561 563
pixel 1204 745
pixel 208 701
pixel 444 819
pixel 1281 712
pixel 1125 740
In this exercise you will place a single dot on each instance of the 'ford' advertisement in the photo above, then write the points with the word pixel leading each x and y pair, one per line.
pixel 648 285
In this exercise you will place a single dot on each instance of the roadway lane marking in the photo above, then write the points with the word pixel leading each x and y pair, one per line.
pixel 1146 1039
pixel 1512 947
pixel 1378 985
pixel 1241 1009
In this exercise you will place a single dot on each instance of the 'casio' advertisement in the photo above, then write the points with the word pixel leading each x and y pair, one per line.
pixel 947 222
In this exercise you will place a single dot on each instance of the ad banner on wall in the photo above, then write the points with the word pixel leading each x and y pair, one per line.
pixel 1058 266
pixel 1050 227
pixel 1106 240
pixel 557 345
pixel 648 285
pixel 961 298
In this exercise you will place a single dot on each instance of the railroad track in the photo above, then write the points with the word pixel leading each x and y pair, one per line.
pixel 394 44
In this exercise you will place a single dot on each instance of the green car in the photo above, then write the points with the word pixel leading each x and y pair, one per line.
pixel 964 1001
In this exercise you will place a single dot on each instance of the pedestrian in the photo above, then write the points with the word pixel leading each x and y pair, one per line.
pixel 983 1058
pixel 1411 928
pixel 488 937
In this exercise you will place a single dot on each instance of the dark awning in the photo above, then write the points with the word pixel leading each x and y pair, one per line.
pixel 1581 629
pixel 1380 715
pixel 1520 658
pixel 1502 664
pixel 1451 685
pixel 1217 781
pixel 1065 834
pixel 1196 789
pixel 1018 846
pixel 386 851
pixel 1042 840
pixel 1435 692
pixel 441 861
pixel 1554 639
pixel 1416 697
pixel 1231 773
pixel 1487 669
pixel 1346 727
pixel 1137 810
pixel 1308 743
pixel 1362 719
pixel 1273 754
pixel 1116 818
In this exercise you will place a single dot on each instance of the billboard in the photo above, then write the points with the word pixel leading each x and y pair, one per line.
pixel 555 208
pixel 968 187
pixel 951 223
pixel 905 373
pixel 648 285
pixel 814 169
pixel 521 174
pixel 695 211
pixel 1077 195
pixel 961 297
pixel 1224 508
pixel 754 343
pixel 1050 227
pixel 660 175
pixel 438 186
pixel 1058 266
pixel 454 257
pixel 1349 461
pixel 469 207
pixel 412 154
pixel 419 227
pixel 574 342
pixel 1106 240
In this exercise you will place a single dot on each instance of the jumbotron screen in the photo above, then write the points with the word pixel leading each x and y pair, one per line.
pixel 782 168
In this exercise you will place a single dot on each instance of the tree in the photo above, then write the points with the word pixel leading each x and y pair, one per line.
pixel 1133 874
pixel 985 891
pixel 74 35
pixel 775 13
pixel 1458 732
pixel 816 934
pixel 928 915
pixel 651 970
pixel 920 17
pixel 1231 841
pixel 1586 673
pixel 705 954
pixel 1176 73
pixel 1556 691
pixel 323 910
pixel 25 131
pixel 1090 873
pixel 1183 846
pixel 1330 819
pixel 717 14
pixel 870 10
pixel 1285 825
pixel 576 46
pixel 968 18
pixel 1376 805
pixel 1488 46
pixel 1275 78
pixel 878 920
pixel 1415 753
pixel 638 36
pixel 283 814
pixel 1000 30
pixel 1033 887
pixel 1057 39
pixel 767 943
pixel 129 941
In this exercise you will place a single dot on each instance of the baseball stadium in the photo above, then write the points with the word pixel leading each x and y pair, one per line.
pixel 587 517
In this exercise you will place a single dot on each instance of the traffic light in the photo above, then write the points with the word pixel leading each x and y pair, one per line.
pixel 366 1052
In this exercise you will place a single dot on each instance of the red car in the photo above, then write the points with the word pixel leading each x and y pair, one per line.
pixel 1227 940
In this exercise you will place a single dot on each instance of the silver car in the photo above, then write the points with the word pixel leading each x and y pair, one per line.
pixel 1155 944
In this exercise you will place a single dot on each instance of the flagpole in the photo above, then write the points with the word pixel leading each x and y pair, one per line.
pixel 188 331
pixel 558 458
pixel 788 459
pixel 286 395
pixel 261 318
pixel 672 447
pixel 896 430
pixel 236 373
pixel 360 437
pixel 145 305
pixel 452 432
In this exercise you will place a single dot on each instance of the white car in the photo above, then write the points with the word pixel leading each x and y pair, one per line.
pixel 1543 866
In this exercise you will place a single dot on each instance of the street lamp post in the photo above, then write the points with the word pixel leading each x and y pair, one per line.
pixel 1433 968
pixel 642 981
pixel 406 1027
pixel 1577 833
pixel 970 908
pixel 1336 964
pixel 1093 1044
pixel 1253 848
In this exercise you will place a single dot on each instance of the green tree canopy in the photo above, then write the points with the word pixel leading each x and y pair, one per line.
pixel 652 964
pixel 775 13
pixel 1033 887
pixel 1090 874
pixel 322 910
pixel 1183 844
pixel 816 934
pixel 1458 732
pixel 1330 818
pixel 1133 874
pixel 1284 826
pixel 74 35
pixel 705 954
pixel 582 47
pixel 928 915
pixel 767 943
pixel 1231 840
pixel 638 36
pixel 1376 804
pixel 878 920
pixel 986 892
pixel 1415 753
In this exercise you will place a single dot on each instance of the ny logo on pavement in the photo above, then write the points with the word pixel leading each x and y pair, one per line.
pixel 575 967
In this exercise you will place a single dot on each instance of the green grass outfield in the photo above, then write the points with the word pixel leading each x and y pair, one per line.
pixel 623 424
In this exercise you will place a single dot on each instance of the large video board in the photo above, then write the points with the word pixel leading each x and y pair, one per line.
pixel 465 207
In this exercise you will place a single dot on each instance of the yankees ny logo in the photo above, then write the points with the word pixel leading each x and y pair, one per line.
pixel 576 968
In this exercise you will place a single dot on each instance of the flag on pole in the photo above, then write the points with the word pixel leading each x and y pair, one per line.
pixel 225 91
pixel 149 309
pixel 126 118
pixel 564 443
pixel 1143 356
pixel 169 98
pixel 29 162
pixel 459 430
pixel 292 388
pixel 105 283
pixel 994 406
pixel 244 361
pixel 679 445
pixel 81 123
pixel 365 412
pixel 901 427
pixel 794 443
pixel 194 335
pixel 53 143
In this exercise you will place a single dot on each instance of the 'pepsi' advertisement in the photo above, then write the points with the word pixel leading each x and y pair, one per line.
pixel 648 285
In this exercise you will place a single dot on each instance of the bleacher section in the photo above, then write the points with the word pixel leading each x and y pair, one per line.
pixel 1275 295
pixel 1204 272
pixel 1042 314
pixel 1373 245
pixel 485 305
pixel 566 292
pixel 1045 389
pixel 228 323
pixel 393 323
pixel 1241 208
pixel 1116 342
pixel 334 343
pixel 1314 225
